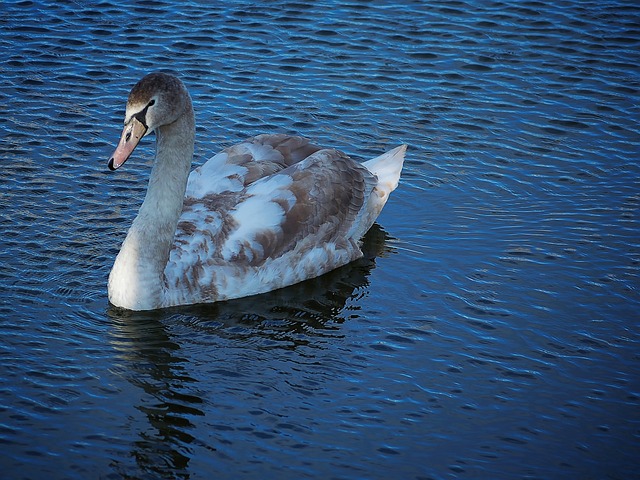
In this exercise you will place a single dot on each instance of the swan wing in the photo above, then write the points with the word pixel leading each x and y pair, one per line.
pixel 313 202
pixel 297 223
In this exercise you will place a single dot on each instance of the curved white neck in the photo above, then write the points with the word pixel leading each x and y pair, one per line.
pixel 136 281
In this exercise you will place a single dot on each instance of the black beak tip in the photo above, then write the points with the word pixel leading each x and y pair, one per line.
pixel 111 167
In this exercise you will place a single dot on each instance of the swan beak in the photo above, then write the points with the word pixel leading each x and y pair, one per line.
pixel 131 135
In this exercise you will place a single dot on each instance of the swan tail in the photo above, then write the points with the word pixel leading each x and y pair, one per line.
pixel 387 168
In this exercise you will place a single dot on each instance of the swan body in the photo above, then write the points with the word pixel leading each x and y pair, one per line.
pixel 266 213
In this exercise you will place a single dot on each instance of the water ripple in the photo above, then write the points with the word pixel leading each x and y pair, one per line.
pixel 491 329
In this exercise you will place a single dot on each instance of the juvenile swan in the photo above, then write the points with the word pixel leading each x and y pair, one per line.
pixel 263 214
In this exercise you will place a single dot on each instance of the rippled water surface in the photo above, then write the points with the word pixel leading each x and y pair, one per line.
pixel 490 332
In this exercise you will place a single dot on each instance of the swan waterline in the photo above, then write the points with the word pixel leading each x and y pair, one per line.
pixel 264 214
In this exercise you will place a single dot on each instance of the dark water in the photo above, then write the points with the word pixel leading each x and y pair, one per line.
pixel 491 332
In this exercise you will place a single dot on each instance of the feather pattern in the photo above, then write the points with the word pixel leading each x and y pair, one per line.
pixel 276 206
pixel 263 214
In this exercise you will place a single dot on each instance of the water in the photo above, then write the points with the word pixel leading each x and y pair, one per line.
pixel 492 329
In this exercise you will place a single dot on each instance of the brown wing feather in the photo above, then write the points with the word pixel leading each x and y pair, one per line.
pixel 285 151
pixel 330 190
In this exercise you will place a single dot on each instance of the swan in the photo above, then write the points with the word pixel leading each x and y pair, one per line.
pixel 266 213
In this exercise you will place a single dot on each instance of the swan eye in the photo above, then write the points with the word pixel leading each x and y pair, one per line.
pixel 152 102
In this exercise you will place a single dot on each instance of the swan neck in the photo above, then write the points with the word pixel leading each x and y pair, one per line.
pixel 137 280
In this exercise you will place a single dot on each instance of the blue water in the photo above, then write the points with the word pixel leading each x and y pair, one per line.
pixel 492 331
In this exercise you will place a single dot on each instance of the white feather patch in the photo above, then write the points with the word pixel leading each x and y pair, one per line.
pixel 215 176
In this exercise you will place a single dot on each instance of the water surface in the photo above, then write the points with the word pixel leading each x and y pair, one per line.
pixel 490 332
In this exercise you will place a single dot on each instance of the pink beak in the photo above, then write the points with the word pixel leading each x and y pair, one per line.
pixel 131 135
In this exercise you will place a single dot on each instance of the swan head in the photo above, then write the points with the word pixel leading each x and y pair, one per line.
pixel 157 99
